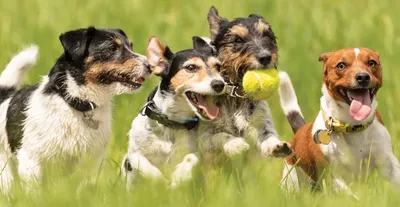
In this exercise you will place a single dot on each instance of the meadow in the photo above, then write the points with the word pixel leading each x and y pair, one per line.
pixel 305 29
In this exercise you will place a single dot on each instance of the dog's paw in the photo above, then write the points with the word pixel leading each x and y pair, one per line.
pixel 273 147
pixel 183 171
pixel 166 147
pixel 236 146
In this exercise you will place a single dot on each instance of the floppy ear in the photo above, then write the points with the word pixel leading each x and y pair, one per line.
pixel 158 55
pixel 76 43
pixel 324 57
pixel 202 46
pixel 215 22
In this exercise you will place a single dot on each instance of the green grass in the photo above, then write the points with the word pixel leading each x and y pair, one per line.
pixel 305 29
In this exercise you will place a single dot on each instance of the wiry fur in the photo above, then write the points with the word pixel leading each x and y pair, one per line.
pixel 39 126
pixel 242 44
pixel 151 144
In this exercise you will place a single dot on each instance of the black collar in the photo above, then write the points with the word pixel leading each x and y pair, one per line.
pixel 153 112
pixel 78 104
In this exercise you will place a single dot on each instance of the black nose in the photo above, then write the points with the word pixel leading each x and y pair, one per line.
pixel 264 58
pixel 217 85
pixel 363 78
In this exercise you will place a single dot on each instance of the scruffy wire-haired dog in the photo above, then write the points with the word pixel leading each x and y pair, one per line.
pixel 189 82
pixel 65 120
pixel 242 44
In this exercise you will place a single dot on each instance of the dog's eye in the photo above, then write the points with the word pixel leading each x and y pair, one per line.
pixel 238 39
pixel 191 68
pixel 218 67
pixel 372 63
pixel 114 48
pixel 341 65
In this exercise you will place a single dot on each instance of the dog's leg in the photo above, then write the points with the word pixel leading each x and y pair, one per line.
pixel 29 170
pixel 340 186
pixel 231 145
pixel 135 163
pixel 183 171
pixel 6 176
pixel 268 141
pixel 389 167
pixel 290 180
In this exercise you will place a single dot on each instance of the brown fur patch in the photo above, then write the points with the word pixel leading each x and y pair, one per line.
pixel 183 76
pixel 212 62
pixel 334 77
pixel 95 70
pixel 155 55
pixel 261 26
pixel 239 30
pixel 118 41
pixel 379 117
pixel 308 154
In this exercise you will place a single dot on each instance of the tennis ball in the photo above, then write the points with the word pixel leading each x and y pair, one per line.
pixel 260 84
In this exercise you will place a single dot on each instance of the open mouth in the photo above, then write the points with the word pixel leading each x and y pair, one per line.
pixel 204 104
pixel 359 100
pixel 125 79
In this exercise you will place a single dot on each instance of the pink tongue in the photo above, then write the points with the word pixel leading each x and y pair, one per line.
pixel 360 107
pixel 208 105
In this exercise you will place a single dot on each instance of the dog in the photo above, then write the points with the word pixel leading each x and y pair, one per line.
pixel 65 120
pixel 184 96
pixel 241 45
pixel 348 134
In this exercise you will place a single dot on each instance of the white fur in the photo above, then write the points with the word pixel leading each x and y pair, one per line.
pixel 288 98
pixel 369 149
pixel 17 68
pixel 151 144
pixel 53 132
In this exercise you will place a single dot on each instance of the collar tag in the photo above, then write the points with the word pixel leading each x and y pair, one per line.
pixel 88 118
pixel 322 137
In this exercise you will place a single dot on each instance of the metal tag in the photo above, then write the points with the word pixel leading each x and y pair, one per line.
pixel 322 137
pixel 88 119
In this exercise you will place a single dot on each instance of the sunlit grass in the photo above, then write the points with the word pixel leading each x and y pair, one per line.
pixel 305 28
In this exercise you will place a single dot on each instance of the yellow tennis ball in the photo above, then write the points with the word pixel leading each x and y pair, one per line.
pixel 260 84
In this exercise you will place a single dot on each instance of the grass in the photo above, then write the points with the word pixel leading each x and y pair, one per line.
pixel 305 29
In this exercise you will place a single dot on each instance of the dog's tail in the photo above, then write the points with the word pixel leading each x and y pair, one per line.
pixel 289 102
pixel 13 74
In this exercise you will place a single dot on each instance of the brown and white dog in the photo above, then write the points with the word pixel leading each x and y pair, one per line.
pixel 348 132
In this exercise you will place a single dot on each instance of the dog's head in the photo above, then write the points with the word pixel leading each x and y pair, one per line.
pixel 242 44
pixel 353 76
pixel 190 73
pixel 101 59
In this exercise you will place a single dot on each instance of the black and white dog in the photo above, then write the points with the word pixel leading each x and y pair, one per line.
pixel 185 95
pixel 65 120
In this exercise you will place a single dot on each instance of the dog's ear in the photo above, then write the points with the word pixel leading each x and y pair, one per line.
pixel 76 44
pixel 215 21
pixel 202 46
pixel 324 57
pixel 158 55
pixel 256 16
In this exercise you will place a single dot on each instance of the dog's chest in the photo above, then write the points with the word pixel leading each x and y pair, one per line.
pixel 53 130
pixel 356 151
pixel 241 116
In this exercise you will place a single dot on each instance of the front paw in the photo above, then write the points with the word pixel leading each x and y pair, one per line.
pixel 236 146
pixel 272 147
pixel 183 171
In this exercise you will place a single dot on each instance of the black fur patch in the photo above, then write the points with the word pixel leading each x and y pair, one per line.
pixel 127 165
pixel 296 120
pixel 5 93
pixel 16 116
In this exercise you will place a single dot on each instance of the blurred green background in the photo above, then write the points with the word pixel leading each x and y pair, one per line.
pixel 305 28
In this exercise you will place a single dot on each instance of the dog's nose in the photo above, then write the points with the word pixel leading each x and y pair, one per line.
pixel 264 58
pixel 217 85
pixel 363 78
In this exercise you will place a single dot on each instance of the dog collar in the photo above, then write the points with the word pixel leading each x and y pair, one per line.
pixel 86 107
pixel 333 125
pixel 151 110
pixel 235 91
